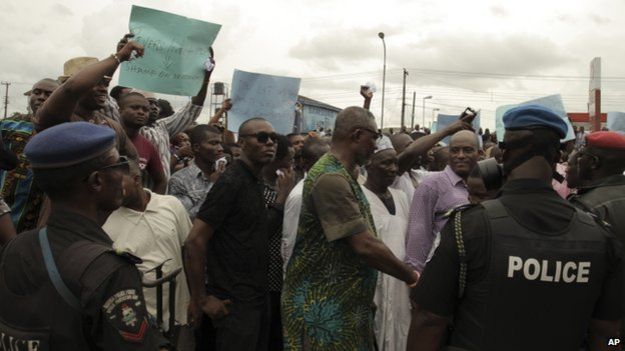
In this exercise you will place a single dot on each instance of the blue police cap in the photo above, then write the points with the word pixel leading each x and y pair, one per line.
pixel 534 116
pixel 68 144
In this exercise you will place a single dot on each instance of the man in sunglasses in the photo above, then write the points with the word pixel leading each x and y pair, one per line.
pixel 228 247
pixel 330 280
pixel 63 287
pixel 525 271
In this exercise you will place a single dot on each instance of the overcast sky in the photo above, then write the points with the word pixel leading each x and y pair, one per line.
pixel 479 53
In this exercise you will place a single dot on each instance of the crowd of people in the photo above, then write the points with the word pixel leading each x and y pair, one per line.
pixel 349 239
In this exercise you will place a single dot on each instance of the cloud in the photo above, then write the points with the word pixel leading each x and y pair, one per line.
pixel 565 18
pixel 498 10
pixel 597 19
pixel 512 54
pixel 61 10
pixel 331 50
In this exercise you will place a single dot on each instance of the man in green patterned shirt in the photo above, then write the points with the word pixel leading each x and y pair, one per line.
pixel 327 301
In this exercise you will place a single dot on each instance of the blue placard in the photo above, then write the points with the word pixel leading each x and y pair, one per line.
pixel 261 95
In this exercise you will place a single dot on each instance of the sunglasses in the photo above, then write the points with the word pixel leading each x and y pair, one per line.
pixel 122 163
pixel 262 137
pixel 375 134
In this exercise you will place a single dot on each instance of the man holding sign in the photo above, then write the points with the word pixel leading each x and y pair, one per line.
pixel 175 63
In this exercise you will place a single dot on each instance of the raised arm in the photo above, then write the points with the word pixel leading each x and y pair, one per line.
pixel 420 146
pixel 226 105
pixel 201 95
pixel 367 95
pixel 184 117
pixel 60 106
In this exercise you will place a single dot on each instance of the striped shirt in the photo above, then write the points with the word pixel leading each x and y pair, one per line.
pixel 160 132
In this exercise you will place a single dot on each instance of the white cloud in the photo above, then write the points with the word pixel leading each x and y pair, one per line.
pixel 338 41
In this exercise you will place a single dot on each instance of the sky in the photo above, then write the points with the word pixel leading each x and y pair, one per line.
pixel 479 53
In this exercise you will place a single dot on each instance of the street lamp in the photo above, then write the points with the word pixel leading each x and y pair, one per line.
pixel 433 111
pixel 423 106
pixel 381 35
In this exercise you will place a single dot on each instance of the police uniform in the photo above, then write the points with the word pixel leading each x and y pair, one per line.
pixel 605 197
pixel 63 287
pixel 526 271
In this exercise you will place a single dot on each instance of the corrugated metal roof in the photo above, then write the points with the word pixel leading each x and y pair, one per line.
pixel 311 102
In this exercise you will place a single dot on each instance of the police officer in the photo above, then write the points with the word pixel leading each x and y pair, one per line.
pixel 63 287
pixel 596 171
pixel 525 271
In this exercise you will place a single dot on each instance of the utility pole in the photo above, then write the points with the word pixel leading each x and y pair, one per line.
pixel 403 100
pixel 6 97
pixel 414 98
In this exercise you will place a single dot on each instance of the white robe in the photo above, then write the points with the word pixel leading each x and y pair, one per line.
pixel 392 318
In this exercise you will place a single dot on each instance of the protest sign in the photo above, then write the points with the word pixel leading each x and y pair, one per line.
pixel 443 121
pixel 552 102
pixel 616 121
pixel 260 95
pixel 176 48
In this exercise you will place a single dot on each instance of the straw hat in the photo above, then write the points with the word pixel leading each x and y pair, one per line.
pixel 74 65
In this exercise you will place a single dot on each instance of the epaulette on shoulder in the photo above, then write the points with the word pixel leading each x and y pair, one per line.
pixel 128 256
pixel 605 225
pixel 460 208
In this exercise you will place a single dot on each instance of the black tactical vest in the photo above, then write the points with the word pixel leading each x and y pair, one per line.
pixel 539 291
pixel 44 320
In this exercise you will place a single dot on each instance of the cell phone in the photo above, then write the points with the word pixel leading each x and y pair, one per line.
pixel 221 162
pixel 468 115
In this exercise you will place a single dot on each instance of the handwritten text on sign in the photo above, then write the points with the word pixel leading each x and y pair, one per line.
pixel 176 48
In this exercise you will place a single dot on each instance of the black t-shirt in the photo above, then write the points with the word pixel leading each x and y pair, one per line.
pixel 532 204
pixel 237 258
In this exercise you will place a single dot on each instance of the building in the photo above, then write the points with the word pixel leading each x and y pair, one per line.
pixel 314 115
pixel 581 119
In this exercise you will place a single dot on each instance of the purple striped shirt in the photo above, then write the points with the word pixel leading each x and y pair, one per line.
pixel 437 193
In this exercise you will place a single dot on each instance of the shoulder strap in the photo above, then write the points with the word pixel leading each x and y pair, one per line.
pixel 53 272
pixel 494 209
pixel 462 254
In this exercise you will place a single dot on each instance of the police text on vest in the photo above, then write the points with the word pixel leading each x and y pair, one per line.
pixel 549 271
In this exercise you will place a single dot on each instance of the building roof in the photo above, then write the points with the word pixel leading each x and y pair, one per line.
pixel 581 117
pixel 310 102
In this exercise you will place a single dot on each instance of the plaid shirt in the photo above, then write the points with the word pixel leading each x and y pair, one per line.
pixel 111 110
pixel 160 132
pixel 190 187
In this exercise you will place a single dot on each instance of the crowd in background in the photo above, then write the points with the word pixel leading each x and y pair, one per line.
pixel 239 209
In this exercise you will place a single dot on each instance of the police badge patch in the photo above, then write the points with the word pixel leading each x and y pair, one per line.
pixel 125 312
